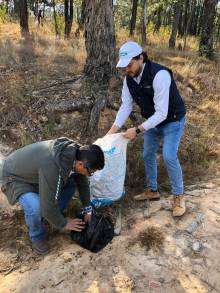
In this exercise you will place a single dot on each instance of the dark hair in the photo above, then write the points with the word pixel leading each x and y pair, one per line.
pixel 144 54
pixel 92 156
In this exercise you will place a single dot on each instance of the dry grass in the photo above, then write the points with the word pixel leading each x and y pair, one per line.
pixel 42 48
pixel 150 238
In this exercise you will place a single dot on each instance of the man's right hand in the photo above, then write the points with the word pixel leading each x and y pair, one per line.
pixel 74 225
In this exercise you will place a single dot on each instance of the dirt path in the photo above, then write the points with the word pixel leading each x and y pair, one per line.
pixel 178 261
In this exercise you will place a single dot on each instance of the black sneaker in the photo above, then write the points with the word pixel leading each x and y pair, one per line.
pixel 40 247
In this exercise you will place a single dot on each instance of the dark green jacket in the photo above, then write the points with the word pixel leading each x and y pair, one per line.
pixel 36 168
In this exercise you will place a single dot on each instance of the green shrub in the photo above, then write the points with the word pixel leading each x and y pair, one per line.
pixel 60 24
pixel 3 13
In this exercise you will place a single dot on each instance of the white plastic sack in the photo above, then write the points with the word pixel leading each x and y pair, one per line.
pixel 108 183
pixel 1 167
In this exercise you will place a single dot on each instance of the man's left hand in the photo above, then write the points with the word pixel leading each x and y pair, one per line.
pixel 130 133
pixel 87 218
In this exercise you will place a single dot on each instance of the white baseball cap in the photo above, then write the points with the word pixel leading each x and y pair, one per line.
pixel 128 51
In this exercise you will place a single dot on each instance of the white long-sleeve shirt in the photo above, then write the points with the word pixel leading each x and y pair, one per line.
pixel 161 86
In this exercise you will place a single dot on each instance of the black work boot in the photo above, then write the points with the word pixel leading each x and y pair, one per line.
pixel 40 246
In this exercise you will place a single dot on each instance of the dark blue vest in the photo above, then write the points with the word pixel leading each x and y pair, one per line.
pixel 143 94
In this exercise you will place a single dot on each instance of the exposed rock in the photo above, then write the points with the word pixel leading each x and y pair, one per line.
pixel 166 205
pixel 195 223
pixel 197 246
pixel 115 270
pixel 67 257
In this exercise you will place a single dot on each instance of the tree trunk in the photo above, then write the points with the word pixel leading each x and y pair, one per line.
pixel 7 6
pixel 68 17
pixel 55 18
pixel 44 10
pixel 24 18
pixel 206 39
pixel 195 20
pixel 143 22
pixel 189 21
pixel 176 18
pixel 167 20
pixel 17 7
pixel 184 17
pixel 180 26
pixel 82 16
pixel 218 29
pixel 36 9
pixel 200 18
pixel 158 23
pixel 133 17
pixel 99 40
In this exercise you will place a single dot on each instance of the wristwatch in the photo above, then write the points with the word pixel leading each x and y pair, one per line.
pixel 138 130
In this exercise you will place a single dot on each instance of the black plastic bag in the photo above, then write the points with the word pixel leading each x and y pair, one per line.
pixel 96 235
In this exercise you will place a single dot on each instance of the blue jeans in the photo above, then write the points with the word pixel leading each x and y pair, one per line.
pixel 30 203
pixel 170 134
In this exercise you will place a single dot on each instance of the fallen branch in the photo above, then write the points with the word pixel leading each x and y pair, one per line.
pixel 217 211
pixel 95 112
pixel 55 84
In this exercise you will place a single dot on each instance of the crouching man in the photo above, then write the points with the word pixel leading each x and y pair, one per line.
pixel 43 178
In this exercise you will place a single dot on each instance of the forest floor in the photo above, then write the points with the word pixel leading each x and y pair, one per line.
pixel 155 254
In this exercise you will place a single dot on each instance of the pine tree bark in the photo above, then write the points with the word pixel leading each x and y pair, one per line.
pixel 55 18
pixel 68 4
pixel 82 15
pixel 199 28
pixel 7 2
pixel 143 22
pixel 218 29
pixel 183 18
pixel 36 8
pixel 206 39
pixel 176 18
pixel 189 21
pixel 180 26
pixel 133 17
pixel 99 40
pixel 158 22
pixel 23 17
pixel 195 20
pixel 17 7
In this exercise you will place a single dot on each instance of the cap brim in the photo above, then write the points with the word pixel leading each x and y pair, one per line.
pixel 123 62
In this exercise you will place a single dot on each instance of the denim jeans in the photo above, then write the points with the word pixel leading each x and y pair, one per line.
pixel 30 203
pixel 170 134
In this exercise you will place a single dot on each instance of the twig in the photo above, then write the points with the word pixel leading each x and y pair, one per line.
pixel 57 83
pixel 207 283
pixel 210 285
pixel 55 285
pixel 6 272
pixel 215 211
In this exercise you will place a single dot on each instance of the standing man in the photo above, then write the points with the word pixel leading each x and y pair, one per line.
pixel 40 18
pixel 152 87
pixel 43 178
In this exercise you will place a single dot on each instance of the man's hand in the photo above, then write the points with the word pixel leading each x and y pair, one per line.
pixel 87 218
pixel 74 225
pixel 130 133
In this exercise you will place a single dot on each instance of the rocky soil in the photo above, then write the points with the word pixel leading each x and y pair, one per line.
pixel 154 252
